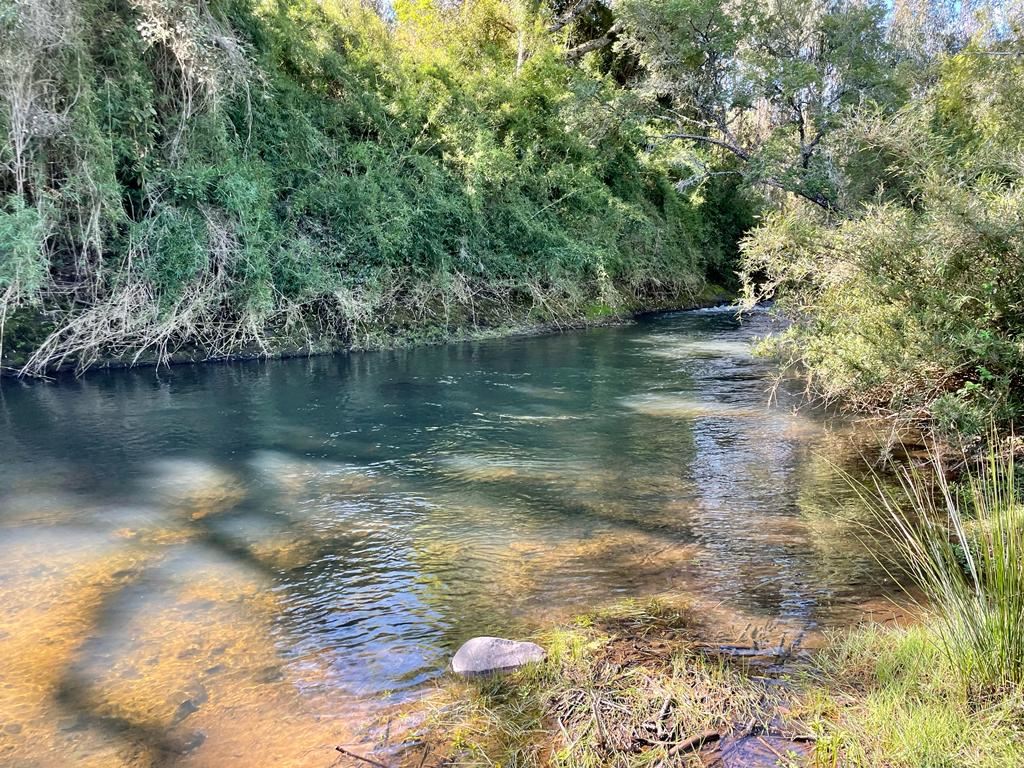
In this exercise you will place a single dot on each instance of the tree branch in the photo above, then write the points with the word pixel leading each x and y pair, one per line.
pixel 817 198
pixel 569 16
pixel 740 152
pixel 572 54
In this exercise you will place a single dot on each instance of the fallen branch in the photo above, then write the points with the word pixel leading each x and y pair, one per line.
pixel 694 743
pixel 356 756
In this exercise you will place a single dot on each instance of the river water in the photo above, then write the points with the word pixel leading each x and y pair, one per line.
pixel 244 564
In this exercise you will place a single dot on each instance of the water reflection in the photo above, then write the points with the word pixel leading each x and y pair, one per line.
pixel 243 563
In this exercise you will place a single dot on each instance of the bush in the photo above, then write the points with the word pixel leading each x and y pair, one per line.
pixel 911 303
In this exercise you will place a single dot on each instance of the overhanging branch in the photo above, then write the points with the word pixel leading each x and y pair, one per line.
pixel 737 150
pixel 812 197
pixel 572 54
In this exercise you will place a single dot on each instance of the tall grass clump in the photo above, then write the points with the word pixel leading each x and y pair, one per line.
pixel 963 546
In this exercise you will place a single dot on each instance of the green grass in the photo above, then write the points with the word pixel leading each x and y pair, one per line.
pixel 946 692
pixel 892 697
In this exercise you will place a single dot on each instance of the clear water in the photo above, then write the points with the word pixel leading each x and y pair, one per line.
pixel 241 564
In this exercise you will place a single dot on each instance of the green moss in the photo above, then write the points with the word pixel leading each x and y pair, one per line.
pixel 25 329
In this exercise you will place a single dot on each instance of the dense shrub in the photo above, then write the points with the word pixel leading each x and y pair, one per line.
pixel 246 174
pixel 912 302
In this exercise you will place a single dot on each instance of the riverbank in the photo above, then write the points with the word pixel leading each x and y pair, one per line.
pixel 639 686
pixel 23 338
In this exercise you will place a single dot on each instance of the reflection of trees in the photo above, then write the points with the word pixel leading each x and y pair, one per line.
pixel 780 527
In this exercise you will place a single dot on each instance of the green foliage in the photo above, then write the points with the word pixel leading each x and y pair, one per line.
pixel 23 268
pixel 890 696
pixel 176 249
pixel 763 85
pixel 911 302
pixel 311 168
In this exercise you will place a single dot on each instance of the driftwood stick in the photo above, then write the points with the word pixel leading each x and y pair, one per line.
pixel 602 734
pixel 359 757
pixel 694 742
pixel 660 719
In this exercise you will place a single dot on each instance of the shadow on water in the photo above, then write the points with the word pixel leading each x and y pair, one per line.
pixel 74 693
pixel 210 566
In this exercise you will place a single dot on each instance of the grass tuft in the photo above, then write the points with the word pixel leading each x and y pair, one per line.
pixel 892 697
pixel 963 547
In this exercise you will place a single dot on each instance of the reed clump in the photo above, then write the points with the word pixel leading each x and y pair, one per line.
pixel 962 545
pixel 946 691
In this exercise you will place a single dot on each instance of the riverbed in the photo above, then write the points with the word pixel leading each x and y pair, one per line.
pixel 245 564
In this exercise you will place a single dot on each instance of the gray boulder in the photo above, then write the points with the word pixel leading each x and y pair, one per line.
pixel 494 654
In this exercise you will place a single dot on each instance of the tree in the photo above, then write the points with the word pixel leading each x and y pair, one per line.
pixel 761 83
pixel 909 303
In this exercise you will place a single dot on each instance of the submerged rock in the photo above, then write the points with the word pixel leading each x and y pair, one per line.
pixel 481 655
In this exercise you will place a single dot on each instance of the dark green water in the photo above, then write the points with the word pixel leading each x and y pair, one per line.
pixel 232 564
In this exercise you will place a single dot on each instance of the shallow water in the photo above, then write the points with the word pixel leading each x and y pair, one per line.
pixel 241 564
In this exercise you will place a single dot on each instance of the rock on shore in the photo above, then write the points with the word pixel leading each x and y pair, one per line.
pixel 482 655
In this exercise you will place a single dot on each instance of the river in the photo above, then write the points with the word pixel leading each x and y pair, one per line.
pixel 244 564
